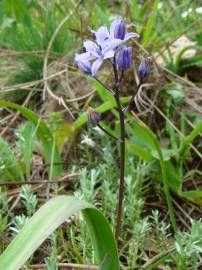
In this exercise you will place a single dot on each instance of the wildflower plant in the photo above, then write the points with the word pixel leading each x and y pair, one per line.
pixel 111 45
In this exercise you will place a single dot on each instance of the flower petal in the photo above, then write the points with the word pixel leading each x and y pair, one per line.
pixel 112 28
pixel 109 54
pixel 102 35
pixel 84 56
pixel 111 45
pixel 96 65
pixel 84 65
pixel 131 35
pixel 91 47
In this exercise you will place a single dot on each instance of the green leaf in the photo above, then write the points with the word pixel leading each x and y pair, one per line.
pixel 173 177
pixel 173 91
pixel 193 195
pixel 142 136
pixel 49 217
pixel 43 133
pixel 10 169
pixel 138 151
pixel 104 94
pixel 195 132
pixel 26 135
pixel 194 61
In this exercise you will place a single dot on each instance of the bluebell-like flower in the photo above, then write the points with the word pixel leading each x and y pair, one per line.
pixel 144 68
pixel 98 53
pixel 93 116
pixel 117 32
pixel 83 64
pixel 107 43
pixel 124 58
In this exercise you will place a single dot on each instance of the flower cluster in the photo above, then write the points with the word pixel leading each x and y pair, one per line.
pixel 109 44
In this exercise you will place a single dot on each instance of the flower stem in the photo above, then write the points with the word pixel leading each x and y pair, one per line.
pixel 122 168
pixel 122 153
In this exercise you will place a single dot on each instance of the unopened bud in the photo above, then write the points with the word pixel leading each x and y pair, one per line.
pixel 124 58
pixel 93 116
pixel 119 28
pixel 144 68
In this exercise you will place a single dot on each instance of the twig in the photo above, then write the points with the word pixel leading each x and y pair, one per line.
pixel 34 182
pixel 70 266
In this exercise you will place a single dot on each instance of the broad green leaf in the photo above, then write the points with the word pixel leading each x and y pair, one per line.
pixel 138 151
pixel 26 138
pixel 43 133
pixel 104 94
pixel 143 136
pixel 48 218
pixel 10 169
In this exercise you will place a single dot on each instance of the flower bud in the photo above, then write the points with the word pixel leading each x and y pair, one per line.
pixel 124 58
pixel 119 28
pixel 83 64
pixel 93 116
pixel 144 68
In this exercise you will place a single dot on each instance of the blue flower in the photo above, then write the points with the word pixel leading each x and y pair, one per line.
pixel 98 53
pixel 83 64
pixel 105 46
pixel 124 58
pixel 144 68
pixel 117 31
